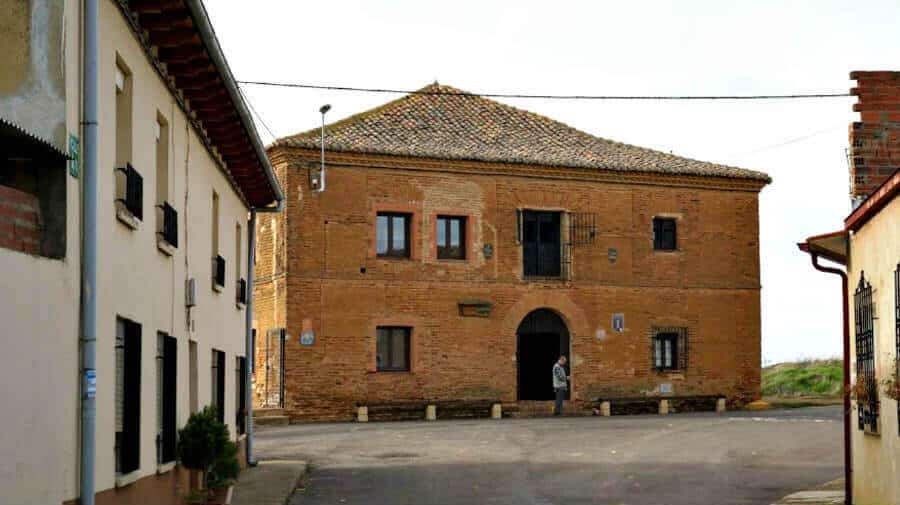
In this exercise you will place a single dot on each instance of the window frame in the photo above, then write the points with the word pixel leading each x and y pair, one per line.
pixel 406 252
pixel 167 398
pixel 659 243
pixel 443 252
pixel 127 448
pixel 390 342
pixel 217 392
pixel 678 336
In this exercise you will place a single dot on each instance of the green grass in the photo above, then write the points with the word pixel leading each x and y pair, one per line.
pixel 805 379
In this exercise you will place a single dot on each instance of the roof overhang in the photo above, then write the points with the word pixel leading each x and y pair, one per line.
pixel 187 54
pixel 831 246
pixel 16 142
pixel 874 203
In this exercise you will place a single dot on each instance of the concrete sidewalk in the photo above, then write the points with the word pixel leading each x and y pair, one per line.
pixel 268 483
pixel 831 493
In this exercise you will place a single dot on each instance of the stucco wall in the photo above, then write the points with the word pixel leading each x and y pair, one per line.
pixel 875 250
pixel 33 81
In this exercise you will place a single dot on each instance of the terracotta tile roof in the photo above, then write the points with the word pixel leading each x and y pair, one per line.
pixel 448 123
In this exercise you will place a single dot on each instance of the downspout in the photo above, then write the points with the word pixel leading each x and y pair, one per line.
pixel 251 359
pixel 89 254
pixel 848 468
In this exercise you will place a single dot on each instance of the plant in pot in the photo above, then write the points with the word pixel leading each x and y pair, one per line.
pixel 892 384
pixel 865 389
pixel 204 446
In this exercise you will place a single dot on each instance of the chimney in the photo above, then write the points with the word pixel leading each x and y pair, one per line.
pixel 875 139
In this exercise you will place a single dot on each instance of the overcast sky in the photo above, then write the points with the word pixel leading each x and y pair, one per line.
pixel 632 48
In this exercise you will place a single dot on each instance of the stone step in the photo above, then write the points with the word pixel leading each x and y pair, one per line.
pixel 272 420
pixel 267 412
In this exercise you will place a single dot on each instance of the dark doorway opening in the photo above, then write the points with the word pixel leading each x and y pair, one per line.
pixel 540 340
pixel 541 244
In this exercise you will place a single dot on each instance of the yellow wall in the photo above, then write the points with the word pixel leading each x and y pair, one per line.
pixel 39 368
pixel 875 250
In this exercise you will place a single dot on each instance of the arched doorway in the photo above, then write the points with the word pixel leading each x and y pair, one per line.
pixel 541 338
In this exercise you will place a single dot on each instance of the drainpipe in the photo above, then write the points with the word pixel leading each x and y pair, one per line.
pixel 251 359
pixel 89 253
pixel 848 468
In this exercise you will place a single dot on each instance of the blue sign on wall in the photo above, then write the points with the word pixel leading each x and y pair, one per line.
pixel 618 323
pixel 307 338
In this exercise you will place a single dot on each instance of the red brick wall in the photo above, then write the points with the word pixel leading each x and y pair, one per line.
pixel 875 139
pixel 20 219
pixel 338 288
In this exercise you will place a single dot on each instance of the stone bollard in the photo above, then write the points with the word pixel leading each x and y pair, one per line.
pixel 604 409
pixel 496 411
pixel 362 414
pixel 720 405
pixel 431 413
pixel 663 407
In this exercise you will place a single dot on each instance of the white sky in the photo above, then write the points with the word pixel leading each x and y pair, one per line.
pixel 635 48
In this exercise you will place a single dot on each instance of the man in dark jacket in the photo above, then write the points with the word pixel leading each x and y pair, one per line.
pixel 560 384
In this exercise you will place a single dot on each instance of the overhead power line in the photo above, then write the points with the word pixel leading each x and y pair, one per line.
pixel 258 116
pixel 546 97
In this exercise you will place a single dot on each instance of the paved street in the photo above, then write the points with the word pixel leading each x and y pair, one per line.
pixel 736 458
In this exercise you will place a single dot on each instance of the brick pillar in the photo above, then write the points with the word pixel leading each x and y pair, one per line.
pixel 875 139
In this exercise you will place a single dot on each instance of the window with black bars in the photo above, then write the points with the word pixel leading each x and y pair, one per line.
pixel 240 397
pixel 166 370
pixel 128 396
pixel 217 396
pixel 669 348
pixel 864 316
pixel 219 271
pixel 134 191
pixel 169 231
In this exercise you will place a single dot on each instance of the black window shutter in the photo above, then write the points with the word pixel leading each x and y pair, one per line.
pixel 131 422
pixel 242 395
pixel 136 198
pixel 169 427
pixel 657 234
pixel 220 390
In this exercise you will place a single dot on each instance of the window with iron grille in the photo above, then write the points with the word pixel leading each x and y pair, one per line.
pixel 451 237
pixel 240 400
pixel 134 191
pixel 169 230
pixel 166 370
pixel 392 234
pixel 392 348
pixel 665 235
pixel 128 396
pixel 242 291
pixel 669 348
pixel 864 316
pixel 217 396
pixel 219 271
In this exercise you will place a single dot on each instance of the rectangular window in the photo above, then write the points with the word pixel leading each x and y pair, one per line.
pixel 192 370
pixel 392 234
pixel 864 317
pixel 217 396
pixel 451 237
pixel 166 216
pixel 123 85
pixel 392 348
pixel 128 396
pixel 240 396
pixel 541 244
pixel 241 284
pixel 664 234
pixel 166 370
pixel 669 348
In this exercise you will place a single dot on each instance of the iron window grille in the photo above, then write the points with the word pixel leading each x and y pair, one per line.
pixel 392 349
pixel 867 412
pixel 669 349
pixel 166 359
pixel 219 271
pixel 451 237
pixel 242 291
pixel 392 234
pixel 169 231
pixel 134 191
pixel 582 228
pixel 665 234
pixel 218 384
pixel 128 396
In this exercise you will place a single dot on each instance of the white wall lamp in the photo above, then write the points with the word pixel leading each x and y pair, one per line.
pixel 323 109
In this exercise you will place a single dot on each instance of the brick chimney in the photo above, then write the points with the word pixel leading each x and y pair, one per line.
pixel 875 140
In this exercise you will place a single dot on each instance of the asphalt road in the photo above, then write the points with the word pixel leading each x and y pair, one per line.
pixel 734 458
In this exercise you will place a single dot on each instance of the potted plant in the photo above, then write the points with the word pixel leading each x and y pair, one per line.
pixel 865 389
pixel 892 384
pixel 204 446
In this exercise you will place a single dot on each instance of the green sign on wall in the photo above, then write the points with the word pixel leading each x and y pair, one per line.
pixel 74 155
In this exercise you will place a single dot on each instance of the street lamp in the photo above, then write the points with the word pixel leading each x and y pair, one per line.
pixel 323 109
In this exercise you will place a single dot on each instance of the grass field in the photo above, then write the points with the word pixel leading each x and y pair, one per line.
pixel 804 380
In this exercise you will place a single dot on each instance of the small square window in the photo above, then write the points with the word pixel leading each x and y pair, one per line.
pixel 392 234
pixel 451 237
pixel 665 237
pixel 392 349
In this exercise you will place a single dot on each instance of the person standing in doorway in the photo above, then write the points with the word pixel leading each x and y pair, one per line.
pixel 560 384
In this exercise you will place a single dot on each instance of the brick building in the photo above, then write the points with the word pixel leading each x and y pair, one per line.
pixel 461 245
